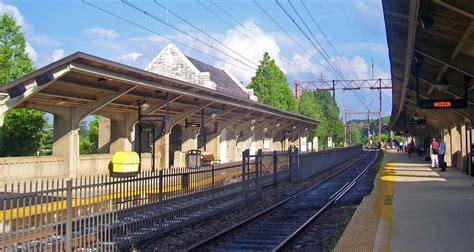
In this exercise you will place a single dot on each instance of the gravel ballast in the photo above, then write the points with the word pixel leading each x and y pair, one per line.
pixel 180 239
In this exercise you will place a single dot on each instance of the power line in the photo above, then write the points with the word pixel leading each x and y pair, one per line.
pixel 359 21
pixel 186 33
pixel 235 20
pixel 164 36
pixel 322 48
pixel 289 35
pixel 220 18
pixel 200 30
pixel 322 51
pixel 328 41
pixel 309 39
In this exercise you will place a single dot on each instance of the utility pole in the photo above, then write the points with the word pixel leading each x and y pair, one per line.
pixel 352 112
pixel 368 127
pixel 380 113
pixel 345 130
pixel 372 68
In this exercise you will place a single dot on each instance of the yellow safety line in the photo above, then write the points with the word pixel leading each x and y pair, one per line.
pixel 370 226
pixel 55 206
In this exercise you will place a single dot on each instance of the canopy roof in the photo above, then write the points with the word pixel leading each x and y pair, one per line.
pixel 105 87
pixel 445 49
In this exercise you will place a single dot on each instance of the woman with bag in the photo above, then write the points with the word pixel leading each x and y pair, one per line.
pixel 434 153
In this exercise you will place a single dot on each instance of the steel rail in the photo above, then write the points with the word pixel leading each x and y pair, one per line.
pixel 200 245
pixel 334 198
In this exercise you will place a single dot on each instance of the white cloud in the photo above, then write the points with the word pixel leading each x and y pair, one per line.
pixel 99 32
pixel 15 13
pixel 45 40
pixel 251 43
pixel 130 57
pixel 57 54
pixel 31 52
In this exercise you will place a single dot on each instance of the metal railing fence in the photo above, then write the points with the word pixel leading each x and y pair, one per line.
pixel 105 213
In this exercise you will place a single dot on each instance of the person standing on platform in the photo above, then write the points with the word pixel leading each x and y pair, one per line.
pixel 441 152
pixel 434 153
pixel 410 148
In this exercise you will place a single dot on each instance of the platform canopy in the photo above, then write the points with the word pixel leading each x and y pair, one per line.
pixel 92 85
pixel 434 40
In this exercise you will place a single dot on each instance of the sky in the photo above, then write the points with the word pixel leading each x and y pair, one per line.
pixel 231 34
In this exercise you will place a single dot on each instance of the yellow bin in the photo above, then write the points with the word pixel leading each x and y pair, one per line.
pixel 125 162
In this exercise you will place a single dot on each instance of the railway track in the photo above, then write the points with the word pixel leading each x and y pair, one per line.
pixel 280 225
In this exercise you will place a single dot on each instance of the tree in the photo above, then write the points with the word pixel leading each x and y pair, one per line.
pixel 321 106
pixel 89 136
pixel 271 86
pixel 14 61
pixel 360 136
pixel 22 132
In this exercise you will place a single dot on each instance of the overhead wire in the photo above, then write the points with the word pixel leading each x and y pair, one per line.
pixel 289 35
pixel 323 54
pixel 359 21
pixel 164 36
pixel 328 41
pixel 235 20
pixel 252 66
pixel 220 17
pixel 200 30
pixel 321 49
pixel 307 37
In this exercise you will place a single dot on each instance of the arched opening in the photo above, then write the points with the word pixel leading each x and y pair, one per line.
pixel 26 132
pixel 89 135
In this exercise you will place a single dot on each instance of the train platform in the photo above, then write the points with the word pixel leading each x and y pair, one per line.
pixel 413 208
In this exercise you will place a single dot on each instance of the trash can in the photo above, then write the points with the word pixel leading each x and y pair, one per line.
pixel 125 163
pixel 193 159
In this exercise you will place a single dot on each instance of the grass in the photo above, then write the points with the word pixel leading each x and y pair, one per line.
pixel 379 162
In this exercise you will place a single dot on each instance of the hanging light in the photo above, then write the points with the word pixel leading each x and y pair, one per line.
pixel 415 117
pixel 213 116
pixel 143 105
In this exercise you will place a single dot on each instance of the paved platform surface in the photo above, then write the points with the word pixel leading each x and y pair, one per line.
pixel 413 208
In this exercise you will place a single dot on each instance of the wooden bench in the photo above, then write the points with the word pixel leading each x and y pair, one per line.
pixel 207 158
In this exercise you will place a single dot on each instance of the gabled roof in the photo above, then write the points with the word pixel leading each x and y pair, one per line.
pixel 224 83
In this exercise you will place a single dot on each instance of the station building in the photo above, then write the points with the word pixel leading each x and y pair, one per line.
pixel 183 103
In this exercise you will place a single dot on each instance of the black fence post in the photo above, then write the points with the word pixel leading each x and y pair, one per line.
pixel 160 196
pixel 245 161
pixel 213 183
pixel 275 168
pixel 258 172
pixel 290 163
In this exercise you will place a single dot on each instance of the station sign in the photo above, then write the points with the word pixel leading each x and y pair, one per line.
pixel 442 103
pixel 151 118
